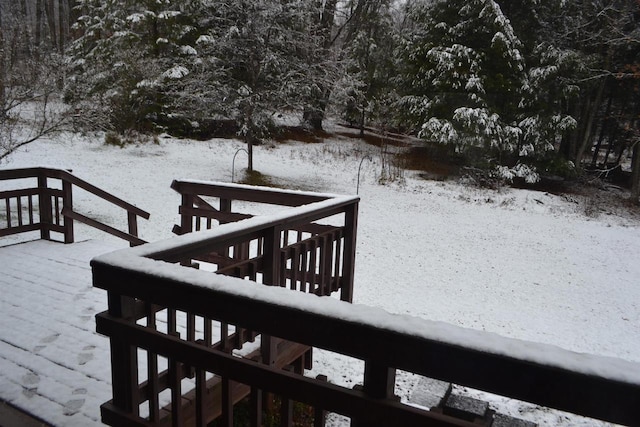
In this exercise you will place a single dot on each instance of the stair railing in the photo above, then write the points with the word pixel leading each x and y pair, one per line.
pixel 48 208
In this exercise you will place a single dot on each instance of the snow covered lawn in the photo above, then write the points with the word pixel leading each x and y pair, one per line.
pixel 523 264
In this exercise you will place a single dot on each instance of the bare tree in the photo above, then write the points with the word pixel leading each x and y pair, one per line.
pixel 28 80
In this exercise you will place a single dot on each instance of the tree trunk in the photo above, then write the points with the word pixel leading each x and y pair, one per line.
pixel 2 71
pixel 61 26
pixel 51 21
pixel 635 174
pixel 313 114
pixel 249 141
pixel 38 28
pixel 586 137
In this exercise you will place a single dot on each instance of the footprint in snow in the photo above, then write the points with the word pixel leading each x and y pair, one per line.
pixel 50 338
pixel 30 382
pixel 72 407
pixel 78 391
pixel 83 358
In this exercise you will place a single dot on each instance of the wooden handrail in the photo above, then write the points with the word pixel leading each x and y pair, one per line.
pixel 49 214
pixel 598 387
pixel 6 174
pixel 248 193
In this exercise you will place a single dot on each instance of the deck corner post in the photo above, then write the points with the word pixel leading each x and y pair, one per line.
pixel 348 268
pixel 124 358
pixel 379 380
pixel 186 220
pixel 44 202
pixel 132 220
pixel 67 205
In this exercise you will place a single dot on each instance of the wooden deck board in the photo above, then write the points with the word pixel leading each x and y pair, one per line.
pixel 52 362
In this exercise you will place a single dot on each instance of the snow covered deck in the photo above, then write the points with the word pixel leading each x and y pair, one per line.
pixel 52 362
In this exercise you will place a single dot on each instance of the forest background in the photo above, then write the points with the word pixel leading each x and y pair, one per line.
pixel 518 89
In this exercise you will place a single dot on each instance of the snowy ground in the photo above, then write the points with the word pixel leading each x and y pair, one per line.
pixel 523 264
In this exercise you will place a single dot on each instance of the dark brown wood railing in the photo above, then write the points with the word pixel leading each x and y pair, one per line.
pixel 47 207
pixel 266 249
pixel 187 322
pixel 311 257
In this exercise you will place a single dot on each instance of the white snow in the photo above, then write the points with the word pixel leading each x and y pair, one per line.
pixel 517 263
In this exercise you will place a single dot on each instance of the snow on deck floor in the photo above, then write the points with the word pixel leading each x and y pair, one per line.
pixel 52 362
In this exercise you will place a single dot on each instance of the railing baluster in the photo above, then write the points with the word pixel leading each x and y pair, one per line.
pixel 8 209
pixel 19 208
pixel 201 393
pixel 56 209
pixel 227 403
pixel 152 368
pixel 30 209
pixel 255 407
pixel 337 261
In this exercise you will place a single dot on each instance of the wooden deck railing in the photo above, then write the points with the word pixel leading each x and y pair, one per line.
pixel 309 256
pixel 188 325
pixel 47 208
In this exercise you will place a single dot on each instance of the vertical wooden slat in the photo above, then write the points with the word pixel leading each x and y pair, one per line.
pixel 152 368
pixel 282 280
pixel 208 332
pixel 304 269
pixel 7 203
pixel 30 209
pixel 226 403
pixel 224 337
pixel 255 404
pixel 311 270
pixel 19 208
pixel 201 393
pixel 175 379
pixel 295 267
pixel 319 414
pixel 286 406
pixel 337 261
pixel 56 209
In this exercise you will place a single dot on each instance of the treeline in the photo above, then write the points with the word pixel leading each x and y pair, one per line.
pixel 519 87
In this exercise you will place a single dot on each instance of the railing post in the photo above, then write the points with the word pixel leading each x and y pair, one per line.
pixel 67 205
pixel 270 276
pixel 124 358
pixel 44 202
pixel 349 256
pixel 186 220
pixel 379 383
pixel 132 220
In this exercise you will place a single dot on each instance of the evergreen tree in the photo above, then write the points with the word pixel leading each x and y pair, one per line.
pixel 369 45
pixel 466 83
pixel 129 56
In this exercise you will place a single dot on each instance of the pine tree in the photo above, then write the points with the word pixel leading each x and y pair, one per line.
pixel 369 44
pixel 466 83
pixel 129 57
pixel 256 52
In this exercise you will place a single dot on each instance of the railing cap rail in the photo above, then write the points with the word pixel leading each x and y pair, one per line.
pixel 252 193
pixel 179 247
